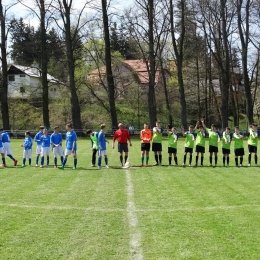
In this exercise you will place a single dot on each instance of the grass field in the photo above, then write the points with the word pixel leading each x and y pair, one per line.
pixel 140 213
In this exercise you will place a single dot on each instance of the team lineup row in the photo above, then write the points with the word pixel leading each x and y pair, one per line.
pixel 194 137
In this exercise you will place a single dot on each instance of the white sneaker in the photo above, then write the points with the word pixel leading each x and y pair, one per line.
pixel 36 165
pixel 99 167
pixel 40 166
pixel 249 165
pixel 240 165
pixel 107 166
pixel 183 164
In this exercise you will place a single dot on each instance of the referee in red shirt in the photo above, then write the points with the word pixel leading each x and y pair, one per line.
pixel 122 135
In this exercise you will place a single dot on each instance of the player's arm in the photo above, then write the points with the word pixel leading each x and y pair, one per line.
pixel 129 138
pixel 113 141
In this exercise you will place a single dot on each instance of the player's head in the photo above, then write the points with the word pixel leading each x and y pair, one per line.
pixel 102 126
pixel 56 129
pixel 69 126
pixel 145 125
pixel 89 132
pixel 236 129
pixel 157 123
pixel 27 133
pixel 228 130
pixel 201 128
pixel 174 130
pixel 254 126
pixel 45 131
pixel 191 127
pixel 41 128
pixel 213 127
pixel 120 126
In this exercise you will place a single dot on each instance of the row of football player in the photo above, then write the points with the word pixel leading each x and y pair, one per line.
pixel 194 137
pixel 44 143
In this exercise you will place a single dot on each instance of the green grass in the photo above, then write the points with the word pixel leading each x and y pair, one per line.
pixel 142 213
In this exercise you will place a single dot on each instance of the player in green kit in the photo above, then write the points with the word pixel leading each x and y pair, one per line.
pixel 94 145
pixel 238 146
pixel 157 143
pixel 214 139
pixel 226 141
pixel 172 144
pixel 189 143
pixel 200 143
pixel 252 143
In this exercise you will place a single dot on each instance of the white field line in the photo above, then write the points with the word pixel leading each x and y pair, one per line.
pixel 135 234
pixel 134 210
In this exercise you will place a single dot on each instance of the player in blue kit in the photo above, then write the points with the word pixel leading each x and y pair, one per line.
pixel 2 152
pixel 37 139
pixel 7 146
pixel 56 142
pixel 102 149
pixel 27 148
pixel 71 146
pixel 45 147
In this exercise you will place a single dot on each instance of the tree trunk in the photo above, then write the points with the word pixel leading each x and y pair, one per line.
pixel 4 86
pixel 75 107
pixel 151 90
pixel 178 50
pixel 109 73
pixel 44 64
pixel 244 39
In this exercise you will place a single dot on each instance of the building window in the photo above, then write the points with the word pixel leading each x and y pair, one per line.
pixel 11 78
pixel 53 89
pixel 22 90
pixel 22 76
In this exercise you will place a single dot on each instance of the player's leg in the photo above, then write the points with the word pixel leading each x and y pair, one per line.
pixel 170 158
pixel 147 155
pixel 142 155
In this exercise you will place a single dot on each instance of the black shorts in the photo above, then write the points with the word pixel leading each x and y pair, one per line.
pixel 156 147
pixel 252 149
pixel 225 151
pixel 239 152
pixel 145 147
pixel 172 150
pixel 188 150
pixel 200 149
pixel 213 149
pixel 122 147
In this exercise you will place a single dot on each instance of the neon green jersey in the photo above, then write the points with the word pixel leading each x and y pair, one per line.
pixel 172 140
pixel 213 137
pixel 226 141
pixel 200 138
pixel 189 140
pixel 238 141
pixel 94 140
pixel 157 135
pixel 253 137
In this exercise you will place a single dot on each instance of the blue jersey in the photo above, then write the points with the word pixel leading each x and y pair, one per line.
pixel 71 137
pixel 5 137
pixel 37 137
pixel 45 141
pixel 27 144
pixel 102 141
pixel 1 144
pixel 56 138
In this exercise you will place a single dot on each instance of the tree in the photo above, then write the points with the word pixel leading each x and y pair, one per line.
pixel 4 83
pixel 108 62
pixel 178 45
pixel 72 42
